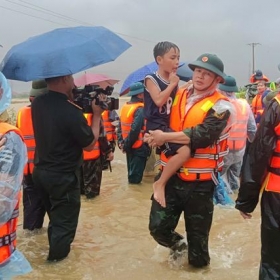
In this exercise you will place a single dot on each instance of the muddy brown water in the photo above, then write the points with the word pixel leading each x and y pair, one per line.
pixel 113 242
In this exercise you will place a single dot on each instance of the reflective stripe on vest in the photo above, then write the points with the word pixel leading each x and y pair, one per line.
pixel 206 162
pixel 238 132
pixel 8 230
pixel 95 153
pixel 272 180
pixel 126 118
pixel 24 123
pixel 108 127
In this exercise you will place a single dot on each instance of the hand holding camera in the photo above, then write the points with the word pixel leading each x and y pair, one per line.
pixel 96 109
pixel 84 97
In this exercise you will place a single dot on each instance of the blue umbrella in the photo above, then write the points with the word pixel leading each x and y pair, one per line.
pixel 140 74
pixel 61 52
pixel 184 72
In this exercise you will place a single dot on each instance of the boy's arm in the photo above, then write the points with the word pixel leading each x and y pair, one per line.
pixel 160 97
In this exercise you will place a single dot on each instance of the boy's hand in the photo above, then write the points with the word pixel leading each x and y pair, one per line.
pixel 173 78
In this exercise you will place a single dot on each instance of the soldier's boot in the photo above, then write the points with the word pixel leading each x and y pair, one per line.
pixel 178 250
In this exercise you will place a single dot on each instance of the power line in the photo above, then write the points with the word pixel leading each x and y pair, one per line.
pixel 43 10
pixel 61 16
pixel 32 16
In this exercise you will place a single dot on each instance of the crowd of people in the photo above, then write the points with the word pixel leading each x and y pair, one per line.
pixel 203 134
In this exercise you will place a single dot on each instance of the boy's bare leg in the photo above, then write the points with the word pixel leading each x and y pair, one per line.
pixel 175 162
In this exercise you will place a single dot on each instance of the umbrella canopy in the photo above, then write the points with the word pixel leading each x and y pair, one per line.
pixel 184 72
pixel 61 52
pixel 95 79
pixel 140 74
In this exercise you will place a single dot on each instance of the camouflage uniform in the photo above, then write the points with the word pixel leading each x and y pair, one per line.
pixel 91 170
pixel 194 198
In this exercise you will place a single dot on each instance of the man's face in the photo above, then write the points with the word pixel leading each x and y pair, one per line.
pixel 203 79
pixel 261 87
pixel 169 62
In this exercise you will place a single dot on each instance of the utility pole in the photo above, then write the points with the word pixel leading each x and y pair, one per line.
pixel 253 45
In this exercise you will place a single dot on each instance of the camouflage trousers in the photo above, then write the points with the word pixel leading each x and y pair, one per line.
pixel 91 176
pixel 195 200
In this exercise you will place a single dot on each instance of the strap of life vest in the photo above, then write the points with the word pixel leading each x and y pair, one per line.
pixel 9 238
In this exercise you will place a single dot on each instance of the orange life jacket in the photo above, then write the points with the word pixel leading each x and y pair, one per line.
pixel 253 79
pixel 127 117
pixel 108 127
pixel 257 106
pixel 24 123
pixel 238 132
pixel 272 180
pixel 206 162
pixel 8 230
pixel 95 153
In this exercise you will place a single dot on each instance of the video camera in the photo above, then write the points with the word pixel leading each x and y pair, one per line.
pixel 84 97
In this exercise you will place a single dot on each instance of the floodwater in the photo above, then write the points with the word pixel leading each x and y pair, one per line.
pixel 113 241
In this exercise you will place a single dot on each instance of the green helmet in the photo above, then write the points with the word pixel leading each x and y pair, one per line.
pixel 209 62
pixel 38 87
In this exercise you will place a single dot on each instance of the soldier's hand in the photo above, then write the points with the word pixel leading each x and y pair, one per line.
pixel 2 141
pixel 110 156
pixel 245 215
pixel 156 138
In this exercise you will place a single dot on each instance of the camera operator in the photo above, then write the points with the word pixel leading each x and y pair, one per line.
pixel 61 134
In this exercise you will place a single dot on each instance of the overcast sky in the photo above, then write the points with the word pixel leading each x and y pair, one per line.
pixel 222 27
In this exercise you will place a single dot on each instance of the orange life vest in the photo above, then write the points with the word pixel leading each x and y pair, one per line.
pixel 253 79
pixel 206 162
pixel 108 127
pixel 95 153
pixel 257 106
pixel 238 132
pixel 272 180
pixel 24 123
pixel 8 230
pixel 127 117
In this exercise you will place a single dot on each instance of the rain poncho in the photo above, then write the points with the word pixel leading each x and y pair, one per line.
pixel 252 177
pixel 233 160
pixel 13 157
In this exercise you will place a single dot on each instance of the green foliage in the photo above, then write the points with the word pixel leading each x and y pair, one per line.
pixel 241 94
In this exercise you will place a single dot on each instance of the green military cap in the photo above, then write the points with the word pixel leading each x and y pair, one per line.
pixel 38 87
pixel 209 62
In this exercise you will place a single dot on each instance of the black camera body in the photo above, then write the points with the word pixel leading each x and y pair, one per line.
pixel 84 97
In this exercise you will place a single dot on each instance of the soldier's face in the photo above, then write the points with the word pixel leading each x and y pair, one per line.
pixel 203 79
